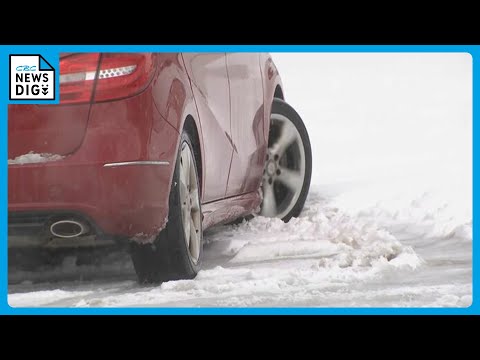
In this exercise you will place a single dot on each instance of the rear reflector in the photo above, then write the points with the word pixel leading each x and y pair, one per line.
pixel 119 75
pixel 119 71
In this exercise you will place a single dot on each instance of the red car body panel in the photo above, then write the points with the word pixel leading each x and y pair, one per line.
pixel 227 96
pixel 210 89
pixel 46 129
pixel 124 201
pixel 247 123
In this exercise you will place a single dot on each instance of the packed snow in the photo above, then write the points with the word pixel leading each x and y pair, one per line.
pixel 388 221
pixel 32 157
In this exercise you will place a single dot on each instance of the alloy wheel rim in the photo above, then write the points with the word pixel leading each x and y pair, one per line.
pixel 284 171
pixel 190 203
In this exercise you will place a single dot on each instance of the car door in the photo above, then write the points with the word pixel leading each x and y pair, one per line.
pixel 247 122
pixel 209 79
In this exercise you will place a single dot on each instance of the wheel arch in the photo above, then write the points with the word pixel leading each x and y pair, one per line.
pixel 191 128
pixel 272 87
pixel 278 94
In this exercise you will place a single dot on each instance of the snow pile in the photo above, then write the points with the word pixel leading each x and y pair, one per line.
pixel 451 300
pixel 322 232
pixel 32 157
pixel 45 297
pixel 438 209
pixel 463 231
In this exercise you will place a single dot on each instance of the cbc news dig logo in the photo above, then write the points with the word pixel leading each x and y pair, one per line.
pixel 31 78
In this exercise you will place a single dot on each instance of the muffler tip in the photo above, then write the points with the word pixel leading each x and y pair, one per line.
pixel 68 229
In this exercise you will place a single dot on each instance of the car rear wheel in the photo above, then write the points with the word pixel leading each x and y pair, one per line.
pixel 288 165
pixel 177 251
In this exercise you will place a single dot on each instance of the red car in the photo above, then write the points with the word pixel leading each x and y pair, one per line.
pixel 154 148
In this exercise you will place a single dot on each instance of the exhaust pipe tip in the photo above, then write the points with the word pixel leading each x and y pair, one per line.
pixel 68 229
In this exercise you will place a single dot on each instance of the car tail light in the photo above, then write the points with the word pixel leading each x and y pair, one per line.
pixel 100 77
pixel 77 75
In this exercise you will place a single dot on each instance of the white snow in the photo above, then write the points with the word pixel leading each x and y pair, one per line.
pixel 388 221
pixel 32 157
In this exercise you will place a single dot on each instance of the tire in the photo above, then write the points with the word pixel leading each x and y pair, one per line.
pixel 169 257
pixel 293 164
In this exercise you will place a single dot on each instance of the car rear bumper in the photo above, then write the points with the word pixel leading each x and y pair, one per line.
pixel 118 177
pixel 128 199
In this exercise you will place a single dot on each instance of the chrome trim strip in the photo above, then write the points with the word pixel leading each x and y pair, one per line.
pixel 128 163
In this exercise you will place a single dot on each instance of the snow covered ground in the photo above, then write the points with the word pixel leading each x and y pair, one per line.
pixel 388 221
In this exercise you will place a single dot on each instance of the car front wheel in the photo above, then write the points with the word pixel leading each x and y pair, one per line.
pixel 288 164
